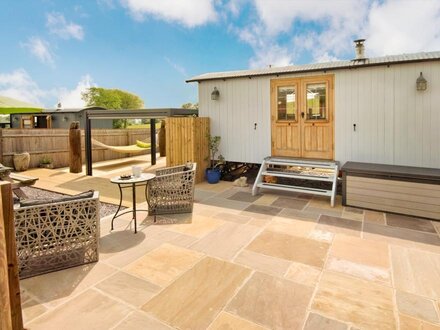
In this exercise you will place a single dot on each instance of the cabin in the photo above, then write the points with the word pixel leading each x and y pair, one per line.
pixel 377 110
pixel 56 118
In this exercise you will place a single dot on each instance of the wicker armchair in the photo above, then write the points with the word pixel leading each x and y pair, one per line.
pixel 57 234
pixel 172 190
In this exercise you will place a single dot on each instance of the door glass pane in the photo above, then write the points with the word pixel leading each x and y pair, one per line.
pixel 316 101
pixel 286 99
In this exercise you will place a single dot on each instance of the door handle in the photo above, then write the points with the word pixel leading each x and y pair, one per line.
pixel 302 114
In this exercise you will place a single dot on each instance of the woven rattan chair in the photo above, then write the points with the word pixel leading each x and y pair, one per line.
pixel 172 190
pixel 57 234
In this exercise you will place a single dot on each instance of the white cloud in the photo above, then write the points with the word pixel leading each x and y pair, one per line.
pixel 19 84
pixel 189 13
pixel 234 6
pixel 72 98
pixel 403 26
pixel 41 49
pixel 266 51
pixel 278 15
pixel 58 25
pixel 323 29
pixel 281 31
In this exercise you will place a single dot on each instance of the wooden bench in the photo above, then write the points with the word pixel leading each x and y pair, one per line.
pixel 397 189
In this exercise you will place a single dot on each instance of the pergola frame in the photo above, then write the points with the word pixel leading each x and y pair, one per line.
pixel 151 114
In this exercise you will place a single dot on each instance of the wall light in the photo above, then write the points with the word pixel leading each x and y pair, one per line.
pixel 421 83
pixel 215 95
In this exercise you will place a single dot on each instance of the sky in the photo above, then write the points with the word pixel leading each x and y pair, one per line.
pixel 52 51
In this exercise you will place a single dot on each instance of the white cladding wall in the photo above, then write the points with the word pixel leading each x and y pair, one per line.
pixel 395 123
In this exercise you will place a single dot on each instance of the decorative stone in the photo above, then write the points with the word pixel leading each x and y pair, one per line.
pixel 21 161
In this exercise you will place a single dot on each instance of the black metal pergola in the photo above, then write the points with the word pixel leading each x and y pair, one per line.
pixel 151 114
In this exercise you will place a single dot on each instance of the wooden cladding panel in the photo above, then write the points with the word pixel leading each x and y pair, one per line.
pixel 186 141
pixel 412 198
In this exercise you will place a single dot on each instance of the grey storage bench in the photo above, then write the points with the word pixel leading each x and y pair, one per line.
pixel 397 189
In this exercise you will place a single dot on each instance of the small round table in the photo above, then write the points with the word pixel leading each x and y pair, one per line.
pixel 132 182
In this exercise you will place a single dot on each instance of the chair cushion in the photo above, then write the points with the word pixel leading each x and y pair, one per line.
pixel 142 144
pixel 34 202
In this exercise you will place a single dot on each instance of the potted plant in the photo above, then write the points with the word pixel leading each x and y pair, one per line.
pixel 213 172
pixel 46 162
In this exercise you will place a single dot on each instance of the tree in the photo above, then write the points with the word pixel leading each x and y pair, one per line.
pixel 112 99
pixel 192 106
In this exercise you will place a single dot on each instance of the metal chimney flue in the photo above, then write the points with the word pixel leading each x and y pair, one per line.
pixel 360 49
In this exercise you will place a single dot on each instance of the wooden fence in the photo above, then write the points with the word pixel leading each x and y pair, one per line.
pixel 54 143
pixel 187 142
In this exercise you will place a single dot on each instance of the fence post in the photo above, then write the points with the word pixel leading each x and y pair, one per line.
pixel 1 146
pixel 75 155
pixel 153 140
pixel 5 300
pixel 162 139
pixel 7 217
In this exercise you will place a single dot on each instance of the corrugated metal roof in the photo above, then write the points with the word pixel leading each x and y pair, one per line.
pixel 384 60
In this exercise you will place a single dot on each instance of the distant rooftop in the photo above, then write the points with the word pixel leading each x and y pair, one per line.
pixel 337 65
pixel 69 110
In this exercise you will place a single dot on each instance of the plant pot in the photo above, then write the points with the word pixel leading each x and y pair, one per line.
pixel 21 161
pixel 49 165
pixel 212 175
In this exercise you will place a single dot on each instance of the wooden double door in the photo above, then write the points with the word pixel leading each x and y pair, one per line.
pixel 302 117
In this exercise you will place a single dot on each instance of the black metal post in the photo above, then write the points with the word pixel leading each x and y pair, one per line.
pixel 134 207
pixel 88 138
pixel 153 140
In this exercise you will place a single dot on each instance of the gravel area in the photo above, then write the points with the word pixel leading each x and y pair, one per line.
pixel 35 193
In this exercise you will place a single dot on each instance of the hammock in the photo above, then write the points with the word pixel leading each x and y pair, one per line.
pixel 131 149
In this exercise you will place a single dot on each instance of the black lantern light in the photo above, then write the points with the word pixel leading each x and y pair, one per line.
pixel 215 95
pixel 421 83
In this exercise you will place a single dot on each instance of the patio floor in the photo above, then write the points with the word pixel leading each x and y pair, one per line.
pixel 273 261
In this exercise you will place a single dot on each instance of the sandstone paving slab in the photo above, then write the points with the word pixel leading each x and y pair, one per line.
pixel 416 306
pixel 366 304
pixel 54 288
pixel 266 264
pixel 194 299
pixel 271 301
pixel 139 320
pixel 230 321
pixel 303 274
pixel 316 321
pixel 226 241
pixel 88 308
pixel 416 271
pixel 163 265
pixel 128 288
pixel 293 248
pixel 414 223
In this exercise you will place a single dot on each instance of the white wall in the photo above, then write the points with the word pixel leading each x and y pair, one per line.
pixel 395 123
